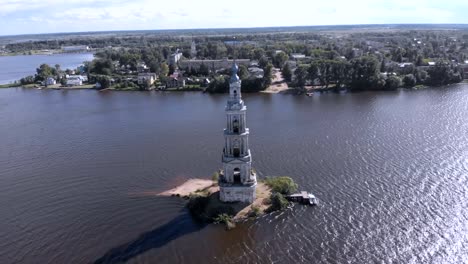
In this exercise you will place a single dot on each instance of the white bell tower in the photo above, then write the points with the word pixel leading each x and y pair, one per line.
pixel 237 182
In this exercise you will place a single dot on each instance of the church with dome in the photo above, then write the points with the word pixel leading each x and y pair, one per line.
pixel 237 182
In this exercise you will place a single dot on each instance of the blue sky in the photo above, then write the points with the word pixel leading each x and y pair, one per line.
pixel 47 16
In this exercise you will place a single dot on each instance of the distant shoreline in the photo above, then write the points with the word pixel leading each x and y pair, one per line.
pixel 42 52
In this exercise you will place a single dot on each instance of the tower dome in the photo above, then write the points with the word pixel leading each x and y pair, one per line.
pixel 234 70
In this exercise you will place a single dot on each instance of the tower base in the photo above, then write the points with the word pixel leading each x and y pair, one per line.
pixel 237 193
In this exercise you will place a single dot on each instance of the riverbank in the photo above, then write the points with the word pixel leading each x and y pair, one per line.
pixel 50 87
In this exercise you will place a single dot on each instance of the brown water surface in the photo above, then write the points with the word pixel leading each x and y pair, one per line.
pixel 77 170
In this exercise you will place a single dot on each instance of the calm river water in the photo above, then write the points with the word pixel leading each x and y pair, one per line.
pixel 79 170
pixel 13 68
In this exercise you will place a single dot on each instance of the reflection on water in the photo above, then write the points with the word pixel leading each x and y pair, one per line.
pixel 390 170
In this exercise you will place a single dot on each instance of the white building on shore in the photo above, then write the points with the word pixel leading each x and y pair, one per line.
pixel 81 48
pixel 76 80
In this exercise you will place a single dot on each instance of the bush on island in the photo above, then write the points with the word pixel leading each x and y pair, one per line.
pixel 283 184
pixel 278 202
pixel 225 219
pixel 254 211
pixel 215 176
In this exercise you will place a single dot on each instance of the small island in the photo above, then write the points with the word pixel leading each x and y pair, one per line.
pixel 205 205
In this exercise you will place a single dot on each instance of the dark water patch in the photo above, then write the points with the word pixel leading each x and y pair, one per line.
pixel 156 238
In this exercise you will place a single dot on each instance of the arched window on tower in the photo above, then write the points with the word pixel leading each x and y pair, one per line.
pixel 235 93
pixel 235 126
pixel 237 176
pixel 236 149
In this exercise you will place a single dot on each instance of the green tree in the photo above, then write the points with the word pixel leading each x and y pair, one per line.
pixel 44 71
pixel 382 66
pixel 243 72
pixel 27 80
pixel 364 73
pixel 172 69
pixel 301 74
pixel 421 76
pixel 203 70
pixel 164 70
pixel 392 83
pixel 419 61
pixel 220 84
pixel 267 74
pixel 258 53
pixel 286 72
pixel 102 67
pixel 263 62
pixel 103 80
pixel 409 80
pixel 283 184
pixel 278 202
pixel 340 73
pixel 313 71
pixel 440 74
pixel 280 59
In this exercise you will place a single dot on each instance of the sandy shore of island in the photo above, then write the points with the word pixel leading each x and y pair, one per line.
pixel 188 187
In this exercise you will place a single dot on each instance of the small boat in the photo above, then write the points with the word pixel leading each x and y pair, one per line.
pixel 303 198
pixel 309 93
pixel 312 199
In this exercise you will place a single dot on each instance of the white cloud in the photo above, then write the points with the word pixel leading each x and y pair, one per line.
pixel 91 15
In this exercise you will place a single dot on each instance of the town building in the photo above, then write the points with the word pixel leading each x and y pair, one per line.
pixel 256 72
pixel 175 57
pixel 76 80
pixel 298 56
pixel 237 182
pixel 50 81
pixel 175 80
pixel 141 67
pixel 146 78
pixel 75 48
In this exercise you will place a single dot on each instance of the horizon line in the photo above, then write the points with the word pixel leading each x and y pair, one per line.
pixel 232 28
